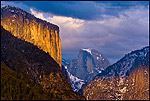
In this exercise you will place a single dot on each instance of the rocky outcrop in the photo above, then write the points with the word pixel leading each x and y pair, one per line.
pixel 127 79
pixel 31 66
pixel 31 29
pixel 133 87
pixel 85 67
pixel 88 64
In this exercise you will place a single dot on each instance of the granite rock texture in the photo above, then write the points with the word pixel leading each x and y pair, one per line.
pixel 34 30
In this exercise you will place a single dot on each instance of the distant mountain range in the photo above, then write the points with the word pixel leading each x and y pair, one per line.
pixel 129 61
pixel 127 79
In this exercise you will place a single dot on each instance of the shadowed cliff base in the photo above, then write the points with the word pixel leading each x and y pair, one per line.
pixel 33 69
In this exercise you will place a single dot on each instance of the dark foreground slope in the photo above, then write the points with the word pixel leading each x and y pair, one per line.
pixel 19 88
pixel 33 74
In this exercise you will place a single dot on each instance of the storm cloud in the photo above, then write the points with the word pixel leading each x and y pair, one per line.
pixel 86 10
pixel 113 28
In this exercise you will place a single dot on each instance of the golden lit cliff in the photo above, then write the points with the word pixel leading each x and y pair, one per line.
pixel 31 29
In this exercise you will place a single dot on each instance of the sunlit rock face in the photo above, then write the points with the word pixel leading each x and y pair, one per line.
pixel 28 65
pixel 31 29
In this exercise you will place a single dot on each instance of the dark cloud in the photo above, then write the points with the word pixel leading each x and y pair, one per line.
pixel 120 27
pixel 87 10
pixel 114 37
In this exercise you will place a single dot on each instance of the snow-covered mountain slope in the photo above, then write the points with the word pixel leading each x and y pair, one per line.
pixel 130 60
pixel 76 83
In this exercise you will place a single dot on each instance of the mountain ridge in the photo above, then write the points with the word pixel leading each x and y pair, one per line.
pixel 132 56
pixel 122 80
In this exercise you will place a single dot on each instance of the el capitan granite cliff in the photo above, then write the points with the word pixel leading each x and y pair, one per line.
pixel 34 30
pixel 28 72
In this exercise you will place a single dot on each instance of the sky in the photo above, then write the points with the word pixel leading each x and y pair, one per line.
pixel 114 28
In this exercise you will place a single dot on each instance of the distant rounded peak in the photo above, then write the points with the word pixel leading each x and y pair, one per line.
pixel 91 51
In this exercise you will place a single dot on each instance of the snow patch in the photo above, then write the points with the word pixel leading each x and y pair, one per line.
pixel 91 72
pixel 99 71
pixel 76 83
pixel 88 50
pixel 12 10
pixel 65 67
